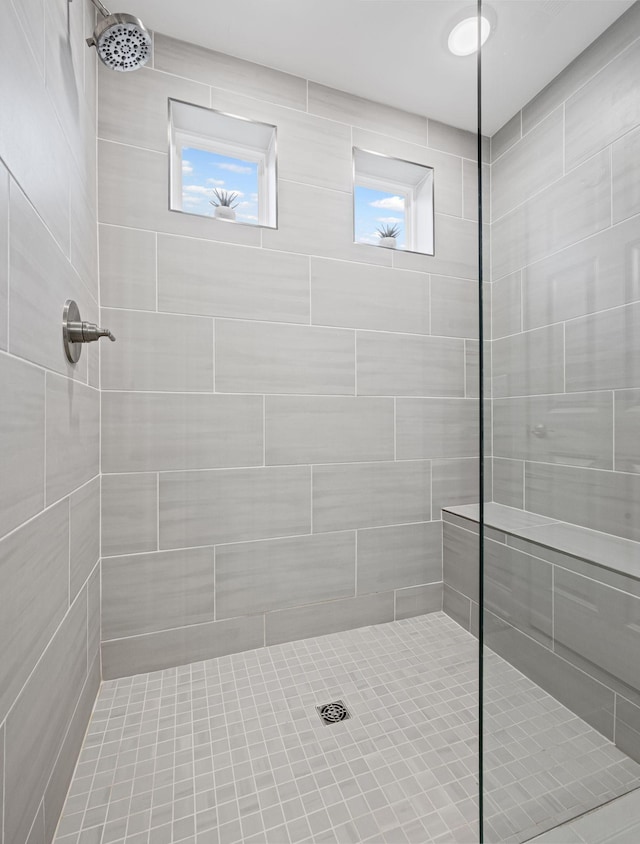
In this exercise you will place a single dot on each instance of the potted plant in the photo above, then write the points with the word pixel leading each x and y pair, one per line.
pixel 224 204
pixel 388 234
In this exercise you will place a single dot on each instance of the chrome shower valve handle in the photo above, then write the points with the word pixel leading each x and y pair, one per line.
pixel 75 331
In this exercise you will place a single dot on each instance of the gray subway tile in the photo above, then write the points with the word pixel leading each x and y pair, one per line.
pixel 579 692
pixel 409 365
pixel 160 590
pixel 129 513
pixel 364 495
pixel 260 358
pixel 615 86
pixel 460 560
pixel 506 136
pixel 220 279
pixel 353 295
pixel 72 435
pixel 572 208
pixel 144 432
pixel 84 527
pixel 34 561
pixel 436 428
pixel 455 481
pixel 35 729
pixel 399 556
pixel 4 256
pixel 457 606
pixel 418 600
pixel 603 350
pixel 329 617
pixel 157 352
pixel 231 505
pixel 318 429
pixel 530 363
pixel 454 307
pixel 94 627
pixel 594 498
pixel 456 250
pixel 180 646
pixel 627 446
pixel 626 175
pixel 508 482
pixel 451 139
pixel 255 577
pixel 127 268
pixel 576 429
pixel 22 422
pixel 213 68
pixel 597 628
pixel 529 166
pixel 628 728
pixel 506 306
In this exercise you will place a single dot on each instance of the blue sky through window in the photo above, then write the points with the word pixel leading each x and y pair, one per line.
pixel 374 208
pixel 202 171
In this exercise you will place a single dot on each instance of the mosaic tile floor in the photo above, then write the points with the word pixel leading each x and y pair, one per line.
pixel 233 750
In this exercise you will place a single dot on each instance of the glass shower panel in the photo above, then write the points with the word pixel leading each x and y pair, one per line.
pixel 560 618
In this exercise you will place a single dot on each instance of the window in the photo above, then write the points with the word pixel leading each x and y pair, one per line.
pixel 392 197
pixel 222 166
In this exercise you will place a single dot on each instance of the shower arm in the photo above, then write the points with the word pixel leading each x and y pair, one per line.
pixel 101 8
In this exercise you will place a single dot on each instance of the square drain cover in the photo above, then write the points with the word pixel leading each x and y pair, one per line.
pixel 331 713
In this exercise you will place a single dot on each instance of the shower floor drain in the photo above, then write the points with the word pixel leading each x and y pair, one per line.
pixel 331 713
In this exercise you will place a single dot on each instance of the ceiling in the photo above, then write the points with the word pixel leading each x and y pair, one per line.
pixel 394 51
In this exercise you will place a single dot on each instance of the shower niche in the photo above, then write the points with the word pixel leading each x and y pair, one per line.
pixel 222 166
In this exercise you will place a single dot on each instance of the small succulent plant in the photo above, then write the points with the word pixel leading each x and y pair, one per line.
pixel 388 230
pixel 224 197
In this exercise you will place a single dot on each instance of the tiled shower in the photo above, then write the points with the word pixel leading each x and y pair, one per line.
pixel 265 495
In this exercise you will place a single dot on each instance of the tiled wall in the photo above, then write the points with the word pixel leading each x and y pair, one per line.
pixel 566 292
pixel 284 413
pixel 49 410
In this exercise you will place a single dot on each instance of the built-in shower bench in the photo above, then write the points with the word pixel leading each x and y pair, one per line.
pixel 561 604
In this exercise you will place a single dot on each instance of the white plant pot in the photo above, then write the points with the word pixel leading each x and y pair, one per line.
pixel 388 241
pixel 224 212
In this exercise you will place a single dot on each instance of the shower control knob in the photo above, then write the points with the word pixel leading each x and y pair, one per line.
pixel 75 331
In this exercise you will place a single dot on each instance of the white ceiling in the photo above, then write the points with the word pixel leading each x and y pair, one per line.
pixel 394 51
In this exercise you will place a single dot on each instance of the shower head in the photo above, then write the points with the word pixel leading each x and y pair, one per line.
pixel 122 41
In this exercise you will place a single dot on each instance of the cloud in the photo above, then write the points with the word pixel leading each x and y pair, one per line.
pixel 235 168
pixel 187 167
pixel 389 203
pixel 203 190
pixel 389 220
pixel 246 204
pixel 215 182
pixel 254 197
pixel 249 217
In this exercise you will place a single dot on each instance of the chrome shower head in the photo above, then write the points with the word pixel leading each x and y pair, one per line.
pixel 122 41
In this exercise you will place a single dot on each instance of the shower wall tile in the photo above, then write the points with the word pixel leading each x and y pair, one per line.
pixel 506 306
pixel 457 606
pixel 361 296
pixel 156 591
pixel 398 557
pixel 30 753
pixel 157 352
pixel 418 600
pixel 256 577
pixel 456 482
pixel 572 208
pixel 144 432
pixel 253 357
pixel 370 495
pixel 436 428
pixel 84 542
pixel 182 645
pixel 529 363
pixel 34 561
pixel 218 279
pixel 603 350
pixel 133 106
pixel 529 166
pixel 456 250
pixel 627 443
pixel 129 513
pixel 317 221
pixel 454 307
pixel 22 415
pixel 606 501
pixel 460 560
pixel 127 268
pixel 575 429
pixel 318 429
pixel 4 256
pixel 507 136
pixel 586 131
pixel 628 728
pixel 366 114
pixel 405 365
pixel 213 68
pixel 233 505
pixel 591 275
pixel 94 621
pixel 626 175
pixel 331 617
pixel 449 138
pixel 72 439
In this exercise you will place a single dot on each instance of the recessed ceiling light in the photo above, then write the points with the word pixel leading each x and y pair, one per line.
pixel 463 39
